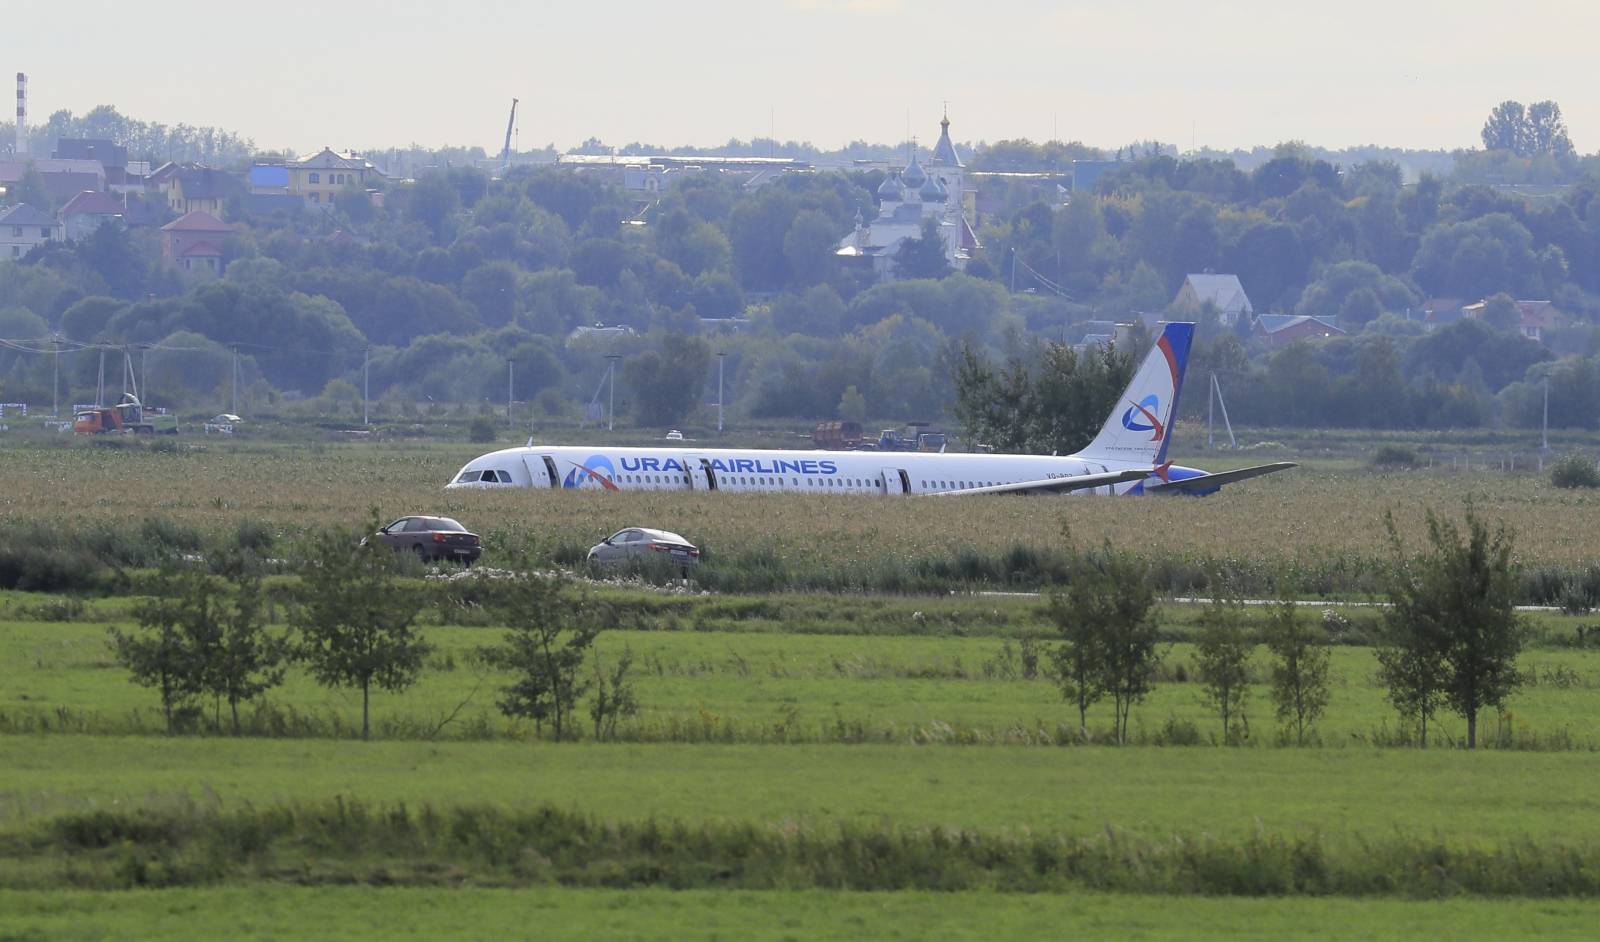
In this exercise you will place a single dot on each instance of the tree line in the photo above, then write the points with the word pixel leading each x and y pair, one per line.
pixel 451 278
pixel 352 625
pixel 1450 638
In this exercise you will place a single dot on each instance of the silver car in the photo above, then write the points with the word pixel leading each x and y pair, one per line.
pixel 640 543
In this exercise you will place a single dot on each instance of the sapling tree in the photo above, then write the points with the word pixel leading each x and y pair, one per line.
pixel 547 638
pixel 1222 659
pixel 1299 674
pixel 1453 634
pixel 1108 638
pixel 356 617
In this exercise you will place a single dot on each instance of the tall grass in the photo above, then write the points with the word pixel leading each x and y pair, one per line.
pixel 342 841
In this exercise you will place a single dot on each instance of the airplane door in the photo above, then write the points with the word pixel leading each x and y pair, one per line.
pixel 702 477
pixel 895 481
pixel 542 473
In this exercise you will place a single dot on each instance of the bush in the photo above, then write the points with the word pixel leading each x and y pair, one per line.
pixel 481 431
pixel 1575 471
pixel 1394 456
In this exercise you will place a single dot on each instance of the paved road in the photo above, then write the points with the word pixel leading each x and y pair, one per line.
pixel 1304 603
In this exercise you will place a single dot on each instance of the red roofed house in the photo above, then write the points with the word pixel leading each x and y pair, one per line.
pixel 1533 317
pixel 88 211
pixel 193 242
pixel 1280 330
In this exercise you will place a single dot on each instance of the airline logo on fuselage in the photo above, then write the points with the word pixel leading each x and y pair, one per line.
pixel 595 468
pixel 735 465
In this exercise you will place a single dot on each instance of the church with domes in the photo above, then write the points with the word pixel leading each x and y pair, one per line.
pixel 906 197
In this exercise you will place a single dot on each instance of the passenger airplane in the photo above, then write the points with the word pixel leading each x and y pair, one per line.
pixel 1129 456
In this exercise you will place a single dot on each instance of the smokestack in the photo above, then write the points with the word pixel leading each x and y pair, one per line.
pixel 22 114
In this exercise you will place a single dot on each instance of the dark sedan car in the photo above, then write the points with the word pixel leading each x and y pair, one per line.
pixel 432 539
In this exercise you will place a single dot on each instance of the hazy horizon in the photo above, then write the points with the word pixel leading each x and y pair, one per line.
pixel 827 72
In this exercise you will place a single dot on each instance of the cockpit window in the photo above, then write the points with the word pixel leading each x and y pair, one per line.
pixel 505 476
pixel 467 477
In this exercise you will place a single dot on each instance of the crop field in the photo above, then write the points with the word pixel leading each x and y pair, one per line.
pixel 1310 516
pixel 803 764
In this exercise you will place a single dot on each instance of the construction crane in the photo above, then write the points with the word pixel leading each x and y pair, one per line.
pixel 505 152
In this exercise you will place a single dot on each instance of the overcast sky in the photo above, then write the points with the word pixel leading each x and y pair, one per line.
pixel 1409 73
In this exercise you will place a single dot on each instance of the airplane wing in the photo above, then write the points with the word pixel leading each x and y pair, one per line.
pixel 1053 485
pixel 1210 482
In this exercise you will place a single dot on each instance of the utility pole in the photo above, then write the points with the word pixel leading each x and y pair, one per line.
pixel 1211 409
pixel 144 371
pixel 235 409
pixel 366 382
pixel 722 360
pixel 55 376
pixel 510 373
pixel 611 406
pixel 1544 435
pixel 1013 269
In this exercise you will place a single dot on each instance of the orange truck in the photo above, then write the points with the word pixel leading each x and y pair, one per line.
pixel 129 415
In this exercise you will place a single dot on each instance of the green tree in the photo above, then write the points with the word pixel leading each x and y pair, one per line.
pixel 1299 675
pixel 1108 637
pixel 1506 128
pixel 243 659
pixel 547 638
pixel 808 248
pixel 1223 646
pixel 165 656
pixel 614 695
pixel 1079 609
pixel 1055 404
pixel 1500 312
pixel 923 256
pixel 1454 632
pixel 852 405
pixel 667 384
pixel 356 618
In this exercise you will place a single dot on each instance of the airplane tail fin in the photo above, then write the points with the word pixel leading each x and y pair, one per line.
pixel 1140 426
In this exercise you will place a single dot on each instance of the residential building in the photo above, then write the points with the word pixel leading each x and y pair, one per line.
pixel 24 227
pixel 318 179
pixel 61 179
pixel 1280 330
pixel 193 243
pixel 1437 312
pixel 1534 318
pixel 194 189
pixel 87 212
pixel 268 179
pixel 112 157
pixel 1223 292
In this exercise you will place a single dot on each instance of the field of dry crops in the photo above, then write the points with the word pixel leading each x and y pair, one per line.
pixel 1311 514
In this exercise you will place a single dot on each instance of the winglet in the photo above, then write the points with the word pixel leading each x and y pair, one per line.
pixel 1164 471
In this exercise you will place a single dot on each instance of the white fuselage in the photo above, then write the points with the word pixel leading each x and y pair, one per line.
pixel 764 471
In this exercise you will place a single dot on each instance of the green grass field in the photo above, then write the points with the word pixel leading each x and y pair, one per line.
pixel 262 913
pixel 1154 792
pixel 765 686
